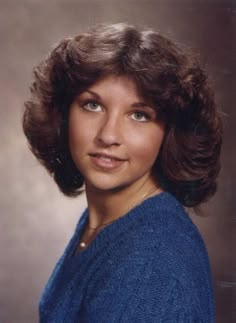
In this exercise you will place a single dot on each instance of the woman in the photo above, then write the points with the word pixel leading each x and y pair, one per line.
pixel 127 116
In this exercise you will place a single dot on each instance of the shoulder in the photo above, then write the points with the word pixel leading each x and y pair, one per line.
pixel 163 222
pixel 165 217
pixel 174 252
pixel 169 239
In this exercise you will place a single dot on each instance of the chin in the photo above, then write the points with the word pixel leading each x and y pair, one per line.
pixel 106 183
pixel 104 187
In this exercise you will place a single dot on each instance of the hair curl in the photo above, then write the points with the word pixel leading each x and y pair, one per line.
pixel 188 163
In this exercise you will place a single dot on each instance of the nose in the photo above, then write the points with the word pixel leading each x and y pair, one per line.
pixel 109 132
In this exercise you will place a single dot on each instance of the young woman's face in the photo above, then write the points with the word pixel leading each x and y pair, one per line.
pixel 114 135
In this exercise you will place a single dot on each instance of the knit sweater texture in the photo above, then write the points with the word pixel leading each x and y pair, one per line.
pixel 150 265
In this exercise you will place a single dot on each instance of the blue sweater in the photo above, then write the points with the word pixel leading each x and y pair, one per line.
pixel 150 265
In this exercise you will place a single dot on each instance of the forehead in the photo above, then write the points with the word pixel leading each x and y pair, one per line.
pixel 122 86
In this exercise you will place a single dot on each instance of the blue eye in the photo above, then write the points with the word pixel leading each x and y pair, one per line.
pixel 140 116
pixel 92 106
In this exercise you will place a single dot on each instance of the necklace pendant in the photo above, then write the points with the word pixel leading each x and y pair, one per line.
pixel 82 244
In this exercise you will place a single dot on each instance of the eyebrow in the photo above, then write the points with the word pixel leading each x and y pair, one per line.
pixel 134 105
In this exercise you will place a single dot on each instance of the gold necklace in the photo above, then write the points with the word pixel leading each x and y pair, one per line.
pixel 83 243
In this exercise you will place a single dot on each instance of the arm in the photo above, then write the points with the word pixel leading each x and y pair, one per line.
pixel 164 299
pixel 147 295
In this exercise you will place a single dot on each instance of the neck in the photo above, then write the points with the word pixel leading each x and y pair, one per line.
pixel 106 206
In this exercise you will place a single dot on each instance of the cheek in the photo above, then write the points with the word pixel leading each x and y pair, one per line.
pixel 79 136
pixel 146 146
pixel 79 130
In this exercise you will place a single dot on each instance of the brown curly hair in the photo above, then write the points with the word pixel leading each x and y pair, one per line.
pixel 188 163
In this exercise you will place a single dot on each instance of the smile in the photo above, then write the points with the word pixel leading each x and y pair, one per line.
pixel 107 162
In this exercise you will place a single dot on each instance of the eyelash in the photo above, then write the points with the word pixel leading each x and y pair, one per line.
pixel 84 104
pixel 140 112
pixel 144 114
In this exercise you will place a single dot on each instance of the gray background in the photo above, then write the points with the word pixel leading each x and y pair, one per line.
pixel 36 219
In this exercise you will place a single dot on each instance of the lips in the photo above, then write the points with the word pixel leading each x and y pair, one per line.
pixel 105 161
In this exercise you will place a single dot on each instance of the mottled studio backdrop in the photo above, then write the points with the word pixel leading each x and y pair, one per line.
pixel 36 220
